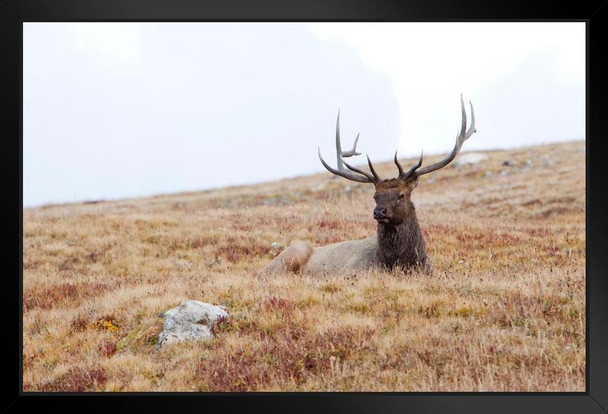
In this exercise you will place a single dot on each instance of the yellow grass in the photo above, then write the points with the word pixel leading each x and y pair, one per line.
pixel 504 310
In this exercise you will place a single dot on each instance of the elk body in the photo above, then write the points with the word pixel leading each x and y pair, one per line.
pixel 398 240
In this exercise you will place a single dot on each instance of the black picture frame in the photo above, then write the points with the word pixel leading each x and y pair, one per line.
pixel 13 13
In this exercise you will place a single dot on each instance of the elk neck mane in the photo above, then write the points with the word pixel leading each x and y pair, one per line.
pixel 403 244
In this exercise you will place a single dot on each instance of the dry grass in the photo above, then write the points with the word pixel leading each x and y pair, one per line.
pixel 504 311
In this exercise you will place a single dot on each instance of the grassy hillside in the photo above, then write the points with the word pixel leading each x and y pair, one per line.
pixel 504 310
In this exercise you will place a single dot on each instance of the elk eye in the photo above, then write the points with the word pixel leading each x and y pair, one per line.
pixel 401 196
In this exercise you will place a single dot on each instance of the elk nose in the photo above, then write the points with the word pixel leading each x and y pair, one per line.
pixel 379 213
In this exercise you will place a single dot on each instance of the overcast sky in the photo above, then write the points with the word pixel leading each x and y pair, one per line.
pixel 116 110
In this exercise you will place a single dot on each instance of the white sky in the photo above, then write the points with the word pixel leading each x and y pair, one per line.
pixel 115 110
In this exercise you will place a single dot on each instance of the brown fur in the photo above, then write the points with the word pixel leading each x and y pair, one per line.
pixel 400 240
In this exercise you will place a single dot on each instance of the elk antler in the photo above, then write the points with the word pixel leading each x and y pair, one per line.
pixel 341 171
pixel 462 136
pixel 405 175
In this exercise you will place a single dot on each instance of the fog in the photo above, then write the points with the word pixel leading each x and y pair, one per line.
pixel 115 110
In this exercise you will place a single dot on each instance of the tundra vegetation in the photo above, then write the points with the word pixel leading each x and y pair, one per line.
pixel 504 309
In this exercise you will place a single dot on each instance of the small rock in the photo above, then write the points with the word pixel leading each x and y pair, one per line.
pixel 529 162
pixel 275 248
pixel 214 262
pixel 183 264
pixel 549 163
pixel 504 173
pixel 509 163
pixel 321 186
pixel 192 320
pixel 489 174
pixel 278 200
pixel 469 158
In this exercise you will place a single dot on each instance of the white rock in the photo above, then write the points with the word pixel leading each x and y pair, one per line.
pixel 275 248
pixel 469 158
pixel 191 320
pixel 321 186
pixel 182 264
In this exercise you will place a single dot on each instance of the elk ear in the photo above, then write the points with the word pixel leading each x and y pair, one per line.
pixel 412 184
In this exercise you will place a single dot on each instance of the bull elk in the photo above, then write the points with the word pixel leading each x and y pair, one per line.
pixel 398 240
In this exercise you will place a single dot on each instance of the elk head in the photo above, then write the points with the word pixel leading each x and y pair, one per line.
pixel 392 196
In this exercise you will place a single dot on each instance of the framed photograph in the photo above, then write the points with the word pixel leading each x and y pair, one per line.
pixel 357 209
